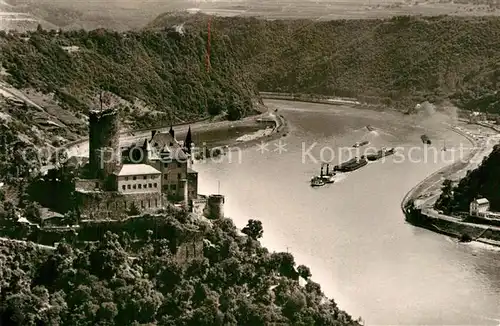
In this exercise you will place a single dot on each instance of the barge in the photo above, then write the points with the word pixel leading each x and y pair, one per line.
pixel 352 164
pixel 381 153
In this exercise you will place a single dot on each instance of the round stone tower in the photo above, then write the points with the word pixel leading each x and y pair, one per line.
pixel 104 143
pixel 215 206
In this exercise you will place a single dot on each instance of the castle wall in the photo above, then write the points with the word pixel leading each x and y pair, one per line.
pixel 88 184
pixel 114 205
pixel 192 177
pixel 198 205
pixel 104 149
pixel 184 189
pixel 189 249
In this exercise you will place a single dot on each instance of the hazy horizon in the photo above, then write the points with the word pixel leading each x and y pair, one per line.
pixel 134 14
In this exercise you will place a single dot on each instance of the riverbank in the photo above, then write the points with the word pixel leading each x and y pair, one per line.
pixel 425 216
pixel 262 121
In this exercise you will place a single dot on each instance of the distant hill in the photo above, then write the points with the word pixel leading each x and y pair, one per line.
pixel 124 15
pixel 399 61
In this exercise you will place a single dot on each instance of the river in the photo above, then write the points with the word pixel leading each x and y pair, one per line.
pixel 352 234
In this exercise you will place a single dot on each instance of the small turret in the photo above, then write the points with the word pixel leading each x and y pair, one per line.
pixel 215 207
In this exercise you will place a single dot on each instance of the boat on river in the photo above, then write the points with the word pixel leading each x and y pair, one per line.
pixel 425 139
pixel 329 176
pixel 359 144
pixel 352 164
pixel 323 178
pixel 317 182
pixel 381 153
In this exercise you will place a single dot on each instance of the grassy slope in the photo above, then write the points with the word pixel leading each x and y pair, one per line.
pixel 398 61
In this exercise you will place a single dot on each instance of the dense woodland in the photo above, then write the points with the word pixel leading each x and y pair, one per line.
pixel 398 61
pixel 236 282
pixel 162 75
pixel 482 182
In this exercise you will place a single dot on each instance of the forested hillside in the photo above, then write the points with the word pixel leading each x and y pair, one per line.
pixel 235 282
pixel 159 76
pixel 483 182
pixel 398 61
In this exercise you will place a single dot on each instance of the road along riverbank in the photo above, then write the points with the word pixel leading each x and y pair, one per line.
pixel 425 216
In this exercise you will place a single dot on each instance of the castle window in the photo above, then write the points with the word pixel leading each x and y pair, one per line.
pixel 97 184
pixel 178 176
pixel 140 186
pixel 128 186
pixel 150 185
pixel 179 164
pixel 123 187
pixel 155 185
pixel 172 187
pixel 145 177
pixel 166 176
pixel 142 203
pixel 125 204
pixel 126 178
pixel 145 186
pixel 134 186
pixel 149 202
pixel 135 178
pixel 156 202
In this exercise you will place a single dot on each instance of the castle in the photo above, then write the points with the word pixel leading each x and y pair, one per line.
pixel 139 177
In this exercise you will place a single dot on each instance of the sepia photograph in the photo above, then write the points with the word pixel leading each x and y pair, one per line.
pixel 249 162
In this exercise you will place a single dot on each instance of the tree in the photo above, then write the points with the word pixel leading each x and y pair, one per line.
pixel 253 229
pixel 304 272
pixel 445 200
